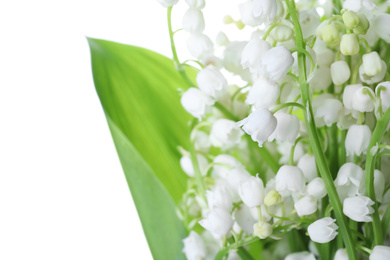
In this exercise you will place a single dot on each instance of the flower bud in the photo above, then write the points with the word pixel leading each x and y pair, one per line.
pixel 267 10
pixel 219 197
pixel 287 128
pixel 263 94
pixel 289 179
pixel 217 221
pixel 262 229
pixel 260 124
pixel 350 19
pixel 300 256
pixel 252 54
pixel 225 132
pixel 363 25
pixel 167 3
pixel 357 140
pixel 196 102
pixel 282 33
pixel 329 33
pixel 382 26
pixel 211 81
pixel 384 95
pixel 358 208
pixel 316 188
pixel 323 230
pixel 307 163
pixel 272 198
pixel 305 206
pixel 194 247
pixel 362 101
pixel 247 14
pixel 196 3
pixel 341 254
pixel 348 93
pixel 372 63
pixel 349 44
pixel 193 21
pixel 340 72
pixel 277 62
pixel 252 192
pixel 199 45
pixel 380 253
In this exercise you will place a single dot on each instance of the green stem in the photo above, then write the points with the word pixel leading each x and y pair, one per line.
pixel 289 104
pixel 314 139
pixel 377 135
pixel 197 172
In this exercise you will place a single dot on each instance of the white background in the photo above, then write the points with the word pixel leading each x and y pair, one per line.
pixel 63 194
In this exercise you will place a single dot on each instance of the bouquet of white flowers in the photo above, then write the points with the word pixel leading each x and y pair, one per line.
pixel 290 162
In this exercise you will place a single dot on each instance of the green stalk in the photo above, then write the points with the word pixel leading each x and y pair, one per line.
pixel 377 135
pixel 315 142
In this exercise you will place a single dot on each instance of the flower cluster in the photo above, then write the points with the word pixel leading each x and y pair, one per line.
pixel 302 144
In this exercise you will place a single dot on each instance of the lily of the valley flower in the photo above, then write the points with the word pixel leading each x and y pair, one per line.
pixel 186 165
pixel 225 132
pixel 167 3
pixel 307 164
pixel 287 127
pixel 349 44
pixel 357 140
pixel 380 253
pixel 384 88
pixel 350 180
pixel 194 247
pixel 252 54
pixel 196 102
pixel 306 205
pixel 361 100
pixel 289 179
pixel 217 221
pixel 316 188
pixel 373 69
pixel 196 3
pixel 193 21
pixel 358 208
pixel 277 62
pixel 260 124
pixel 323 230
pixel 199 45
pixel 211 81
pixel 219 197
pixel 266 10
pixel 262 229
pixel 340 72
pixel 381 26
pixel 263 94
pixel 252 192
pixel 301 256
pixel 341 254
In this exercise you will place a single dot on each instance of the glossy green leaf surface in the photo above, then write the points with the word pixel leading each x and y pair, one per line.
pixel 138 90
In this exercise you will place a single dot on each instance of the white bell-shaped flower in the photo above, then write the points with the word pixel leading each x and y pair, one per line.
pixel 289 179
pixel 225 132
pixel 277 62
pixel 304 255
pixel 252 192
pixel 252 54
pixel 221 39
pixel 263 94
pixel 305 206
pixel 219 197
pixel 262 229
pixel 358 208
pixel 217 221
pixel 357 140
pixel 372 79
pixel 323 230
pixel 223 164
pixel 380 253
pixel 232 59
pixel 326 109
pixel 194 247
pixel 233 179
pixel 196 3
pixel 340 72
pixel 321 79
pixel 381 26
pixel 202 141
pixel 349 44
pixel 244 218
pixel 384 94
pixel 372 63
pixel 350 180
pixel 211 82
pixel 196 102
pixel 193 21
pixel 358 5
pixel 267 10
pixel 316 188
pixel 246 14
pixel 186 165
pixel 199 45
pixel 307 164
pixel 167 3
pixel 348 94
pixel 379 184
pixel 260 124
pixel 341 254
pixel 361 100
pixel 287 128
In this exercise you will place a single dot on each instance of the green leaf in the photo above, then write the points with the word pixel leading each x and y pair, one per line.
pixel 138 90
pixel 163 229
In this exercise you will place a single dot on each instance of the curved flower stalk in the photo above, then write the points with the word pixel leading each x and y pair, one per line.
pixel 283 152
